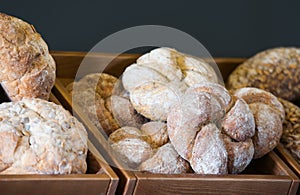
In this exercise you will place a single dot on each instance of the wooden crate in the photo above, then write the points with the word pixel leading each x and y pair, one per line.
pixel 268 175
pixel 99 178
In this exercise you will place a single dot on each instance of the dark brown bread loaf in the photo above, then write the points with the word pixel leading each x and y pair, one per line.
pixel 26 67
pixel 291 128
pixel 275 70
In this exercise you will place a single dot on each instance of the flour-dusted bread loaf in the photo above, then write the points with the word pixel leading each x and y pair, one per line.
pixel 165 160
pixel 275 70
pixel 26 67
pixel 39 137
pixel 159 78
pixel 291 128
pixel 102 97
pixel 212 130
pixel 146 149
pixel 129 146
pixel 155 133
pixel 268 113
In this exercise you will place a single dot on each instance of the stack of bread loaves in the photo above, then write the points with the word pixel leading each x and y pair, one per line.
pixel 277 71
pixel 179 119
pixel 36 136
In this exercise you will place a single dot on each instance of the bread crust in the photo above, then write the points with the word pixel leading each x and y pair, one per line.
pixel 268 114
pixel 40 137
pixel 159 77
pixel 275 70
pixel 27 68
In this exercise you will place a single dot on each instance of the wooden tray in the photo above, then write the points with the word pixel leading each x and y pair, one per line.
pixel 99 179
pixel 269 175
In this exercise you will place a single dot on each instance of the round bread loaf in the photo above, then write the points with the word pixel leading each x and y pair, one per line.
pixel 40 137
pixel 159 78
pixel 26 67
pixel 197 125
pixel 291 128
pixel 275 70
pixel 268 114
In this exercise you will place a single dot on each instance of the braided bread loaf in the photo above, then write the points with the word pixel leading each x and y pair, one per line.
pixel 213 130
pixel 158 79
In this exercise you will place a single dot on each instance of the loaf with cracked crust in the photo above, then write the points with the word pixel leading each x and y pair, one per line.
pixel 159 78
pixel 26 67
pixel 275 70
pixel 40 137
pixel 219 133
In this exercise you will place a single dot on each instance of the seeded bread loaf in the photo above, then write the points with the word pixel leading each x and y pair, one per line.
pixel 291 128
pixel 275 70
pixel 26 67
pixel 39 137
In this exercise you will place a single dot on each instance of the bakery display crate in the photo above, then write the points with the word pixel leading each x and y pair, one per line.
pixel 99 178
pixel 267 175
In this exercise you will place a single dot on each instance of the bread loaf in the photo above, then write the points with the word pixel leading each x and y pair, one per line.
pixel 103 99
pixel 291 129
pixel 268 114
pixel 158 79
pixel 203 125
pixel 39 137
pixel 147 149
pixel 165 160
pixel 275 70
pixel 26 67
pixel 129 146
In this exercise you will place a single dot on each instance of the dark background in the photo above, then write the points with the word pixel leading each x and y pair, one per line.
pixel 226 28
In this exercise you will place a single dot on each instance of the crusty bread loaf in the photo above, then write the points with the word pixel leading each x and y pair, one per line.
pixel 203 125
pixel 291 128
pixel 102 97
pixel 26 67
pixel 268 113
pixel 165 160
pixel 155 133
pixel 129 146
pixel 159 78
pixel 40 137
pixel 147 149
pixel 275 70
